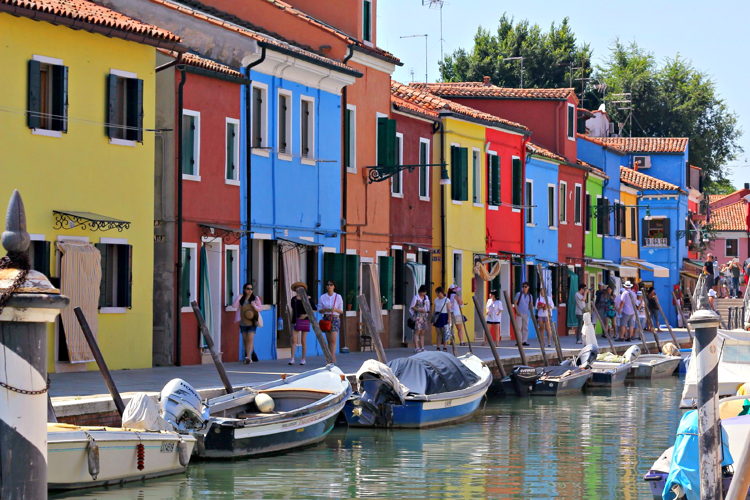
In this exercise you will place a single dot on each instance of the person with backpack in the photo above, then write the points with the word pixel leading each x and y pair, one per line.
pixel 522 304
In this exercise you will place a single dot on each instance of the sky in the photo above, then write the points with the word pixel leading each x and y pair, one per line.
pixel 711 35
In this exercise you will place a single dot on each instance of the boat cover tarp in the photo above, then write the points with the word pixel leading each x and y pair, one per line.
pixel 433 373
pixel 685 465
pixel 142 413
pixel 734 365
pixel 384 372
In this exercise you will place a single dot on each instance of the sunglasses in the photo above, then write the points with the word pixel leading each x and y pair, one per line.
pixel 249 288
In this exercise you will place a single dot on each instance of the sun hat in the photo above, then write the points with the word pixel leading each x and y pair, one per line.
pixel 627 284
pixel 639 292
pixel 298 284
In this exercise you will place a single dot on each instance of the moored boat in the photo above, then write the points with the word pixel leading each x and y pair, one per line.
pixel 289 413
pixel 651 366
pixel 609 369
pixel 567 378
pixel 427 389
pixel 87 456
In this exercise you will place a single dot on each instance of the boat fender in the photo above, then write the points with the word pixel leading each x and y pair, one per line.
pixel 92 456
pixel 632 353
pixel 182 452
pixel 264 402
pixel 669 349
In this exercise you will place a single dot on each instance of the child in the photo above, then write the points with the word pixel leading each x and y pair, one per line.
pixel 440 319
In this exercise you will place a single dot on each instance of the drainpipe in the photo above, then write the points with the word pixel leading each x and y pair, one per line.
pixel 344 177
pixel 443 222
pixel 178 264
pixel 249 155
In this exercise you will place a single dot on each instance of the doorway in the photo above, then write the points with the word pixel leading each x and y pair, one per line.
pixel 213 263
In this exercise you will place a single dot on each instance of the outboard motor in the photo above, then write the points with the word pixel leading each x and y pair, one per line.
pixel 521 379
pixel 587 356
pixel 376 402
pixel 181 406
pixel 632 353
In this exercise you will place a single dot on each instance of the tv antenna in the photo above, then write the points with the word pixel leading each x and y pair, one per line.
pixel 516 58
pixel 624 102
pixel 425 54
pixel 439 5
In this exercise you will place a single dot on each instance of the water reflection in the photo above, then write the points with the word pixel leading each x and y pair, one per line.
pixel 596 445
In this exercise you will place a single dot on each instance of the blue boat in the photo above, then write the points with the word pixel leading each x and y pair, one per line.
pixel 424 390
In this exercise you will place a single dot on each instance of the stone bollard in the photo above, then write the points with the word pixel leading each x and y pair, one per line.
pixel 27 303
pixel 705 323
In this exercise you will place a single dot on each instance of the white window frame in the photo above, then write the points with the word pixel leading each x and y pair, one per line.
pixel 562 202
pixel 193 274
pixel 423 140
pixel 116 141
pixel 114 309
pixel 53 62
pixel 400 174
pixel 579 206
pixel 196 175
pixel 308 159
pixel 528 203
pixel 367 42
pixel 261 151
pixel 736 246
pixel 352 138
pixel 476 177
pixel 552 226
pixel 236 123
pixel 235 274
pixel 287 154
pixel 567 115
pixel 458 278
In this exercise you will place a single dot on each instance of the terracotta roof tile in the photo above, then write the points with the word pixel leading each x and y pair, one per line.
pixel 643 181
pixel 538 150
pixel 644 144
pixel 596 140
pixel 434 104
pixel 197 61
pixel 730 217
pixel 88 12
pixel 479 89
pixel 596 170
pixel 713 198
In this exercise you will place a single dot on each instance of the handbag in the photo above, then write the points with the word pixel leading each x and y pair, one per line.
pixel 326 325
pixel 441 318
pixel 411 323
pixel 302 325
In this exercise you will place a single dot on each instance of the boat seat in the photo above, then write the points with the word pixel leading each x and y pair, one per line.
pixel 294 389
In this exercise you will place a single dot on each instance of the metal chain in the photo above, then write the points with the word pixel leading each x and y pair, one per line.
pixel 25 391
pixel 14 260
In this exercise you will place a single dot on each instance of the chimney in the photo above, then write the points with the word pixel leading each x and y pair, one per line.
pixel 747 185
pixel 486 81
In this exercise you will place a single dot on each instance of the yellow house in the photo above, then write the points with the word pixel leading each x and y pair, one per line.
pixel 78 143
pixel 629 244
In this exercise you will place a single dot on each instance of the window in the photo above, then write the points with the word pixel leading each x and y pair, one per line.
pixel 117 277
pixel 285 123
pixel 731 247
pixel 587 208
pixel 563 202
pixel 124 107
pixel 529 201
pixel 232 157
pixel 367 21
pixel 577 206
pixel 476 177
pixel 188 276
pixel 397 181
pixel 47 95
pixel 517 183
pixel 493 179
pixel 633 225
pixel 617 219
pixel 343 269
pixel 551 222
pixel 387 152
pixel 265 269
pixel 459 173
pixel 39 256
pixel 259 117
pixel 191 144
pixel 307 128
pixel 231 274
pixel 350 138
pixel 457 267
pixel 385 265
pixel 571 122
pixel 424 170
pixel 600 215
pixel 655 232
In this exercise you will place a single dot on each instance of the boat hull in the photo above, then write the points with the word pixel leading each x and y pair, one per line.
pixel 69 458
pixel 608 376
pixel 653 366
pixel 561 386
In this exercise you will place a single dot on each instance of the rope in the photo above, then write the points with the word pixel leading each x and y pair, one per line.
pixel 481 271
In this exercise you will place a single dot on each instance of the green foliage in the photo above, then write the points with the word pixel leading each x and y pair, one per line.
pixel 720 186
pixel 671 100
pixel 549 57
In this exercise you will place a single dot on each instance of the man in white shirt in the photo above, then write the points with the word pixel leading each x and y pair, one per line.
pixel 581 300
pixel 544 307
pixel 627 312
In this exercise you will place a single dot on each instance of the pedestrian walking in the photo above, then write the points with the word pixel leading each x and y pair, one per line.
pixel 600 298
pixel 717 272
pixel 724 281
pixel 248 308
pixel 420 311
pixel 734 273
pixel 653 309
pixel 522 304
pixel 582 296
pixel 640 305
pixel 331 305
pixel 456 315
pixel 441 319
pixel 300 324
pixel 627 313
pixel 610 312
pixel 494 314
pixel 708 270
pixel 544 307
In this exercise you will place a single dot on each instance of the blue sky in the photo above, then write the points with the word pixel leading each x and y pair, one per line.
pixel 712 35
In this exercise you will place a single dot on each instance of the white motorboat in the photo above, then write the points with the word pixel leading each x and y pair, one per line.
pixel 87 456
pixel 610 370
pixel 651 366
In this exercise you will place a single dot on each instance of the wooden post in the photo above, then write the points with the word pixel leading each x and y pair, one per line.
pixel 210 344
pixel 553 331
pixel 94 346
pixel 638 323
pixel 521 352
pixel 682 315
pixel 369 323
pixel 654 324
pixel 302 296
pixel 604 330
pixel 666 321
pixel 491 341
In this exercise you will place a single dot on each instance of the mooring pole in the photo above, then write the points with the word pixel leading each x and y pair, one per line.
pixel 27 303
pixel 705 323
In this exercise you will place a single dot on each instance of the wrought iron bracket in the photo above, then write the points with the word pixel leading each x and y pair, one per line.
pixel 225 234
pixel 380 173
pixel 88 221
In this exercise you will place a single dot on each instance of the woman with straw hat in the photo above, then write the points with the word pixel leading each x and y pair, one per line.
pixel 300 324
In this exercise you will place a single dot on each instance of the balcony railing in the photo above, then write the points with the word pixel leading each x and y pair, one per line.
pixel 657 242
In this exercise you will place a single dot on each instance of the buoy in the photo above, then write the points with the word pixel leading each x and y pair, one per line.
pixel 264 402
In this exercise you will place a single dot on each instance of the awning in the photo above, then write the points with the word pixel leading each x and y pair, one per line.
pixel 298 241
pixel 628 272
pixel 65 219
pixel 602 264
pixel 226 233
pixel 688 274
pixel 659 271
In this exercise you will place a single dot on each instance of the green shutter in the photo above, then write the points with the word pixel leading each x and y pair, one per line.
pixel 229 278
pixel 366 21
pixel 112 104
pixel 352 280
pixel 124 276
pixel 386 280
pixel 188 144
pixel 464 154
pixel 41 257
pixel 495 179
pixel 387 151
pixel 34 103
pixel 231 132
pixel 185 297
pixel 59 105
pixel 334 269
pixel 134 112
pixel 517 182
pixel 104 283
pixel 455 174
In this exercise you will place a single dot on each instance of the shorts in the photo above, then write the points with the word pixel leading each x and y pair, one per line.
pixel 335 322
pixel 458 319
pixel 248 329
pixel 710 282
pixel 628 320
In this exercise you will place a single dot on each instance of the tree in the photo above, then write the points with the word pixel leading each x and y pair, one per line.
pixel 671 100
pixel 551 59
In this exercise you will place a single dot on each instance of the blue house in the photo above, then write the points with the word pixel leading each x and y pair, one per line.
pixel 292 123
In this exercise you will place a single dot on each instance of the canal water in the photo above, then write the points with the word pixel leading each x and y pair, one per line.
pixel 595 445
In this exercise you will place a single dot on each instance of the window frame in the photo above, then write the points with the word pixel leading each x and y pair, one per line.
pixel 736 247
pixel 118 141
pixel 367 26
pixel 196 175
pixel 562 208
pixel 667 236
pixel 493 204
pixel 118 309
pixel 285 154
pixel 235 276
pixel 424 170
pixel 476 177
pixel 578 200
pixel 193 285
pixel 351 134
pixel 232 121
pixel 400 175
pixel 260 149
pixel 552 207
pixel 44 131
pixel 528 201
pixel 520 180
pixel 309 158
pixel 571 123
